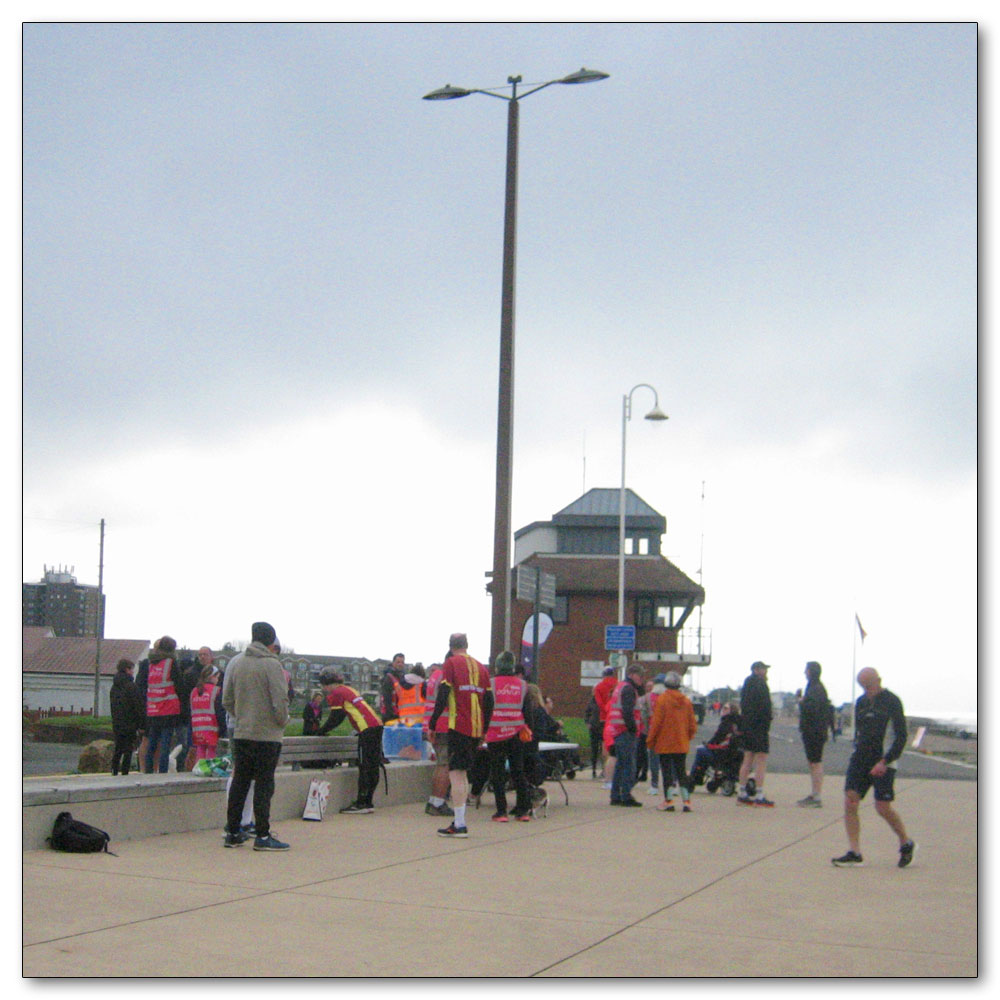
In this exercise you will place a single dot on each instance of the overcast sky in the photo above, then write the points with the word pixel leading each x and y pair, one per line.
pixel 261 309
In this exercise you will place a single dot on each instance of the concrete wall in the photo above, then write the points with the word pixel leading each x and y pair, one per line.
pixel 135 806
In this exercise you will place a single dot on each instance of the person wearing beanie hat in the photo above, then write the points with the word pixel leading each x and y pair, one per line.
pixel 255 693
pixel 670 731
pixel 646 705
pixel 504 739
pixel 755 708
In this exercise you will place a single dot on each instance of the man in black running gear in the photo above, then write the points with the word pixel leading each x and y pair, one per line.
pixel 871 766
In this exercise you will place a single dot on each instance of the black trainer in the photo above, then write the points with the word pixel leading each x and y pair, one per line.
pixel 849 860
pixel 235 839
pixel 269 843
pixel 906 853
pixel 358 807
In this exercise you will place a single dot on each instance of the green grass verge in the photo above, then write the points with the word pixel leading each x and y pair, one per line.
pixel 575 729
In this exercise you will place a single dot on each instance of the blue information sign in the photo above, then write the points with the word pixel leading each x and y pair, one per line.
pixel 619 637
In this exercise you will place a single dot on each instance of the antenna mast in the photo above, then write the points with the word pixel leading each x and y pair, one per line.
pixel 701 561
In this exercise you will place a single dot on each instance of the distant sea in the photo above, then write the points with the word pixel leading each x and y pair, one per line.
pixel 958 722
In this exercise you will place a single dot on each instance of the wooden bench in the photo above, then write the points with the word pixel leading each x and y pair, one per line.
pixel 297 750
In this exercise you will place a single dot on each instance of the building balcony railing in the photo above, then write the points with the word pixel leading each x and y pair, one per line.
pixel 694 649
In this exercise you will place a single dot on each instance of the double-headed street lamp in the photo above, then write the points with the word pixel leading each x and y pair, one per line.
pixel 500 627
pixel 654 414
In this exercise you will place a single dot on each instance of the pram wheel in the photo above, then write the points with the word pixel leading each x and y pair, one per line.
pixel 728 787
pixel 711 786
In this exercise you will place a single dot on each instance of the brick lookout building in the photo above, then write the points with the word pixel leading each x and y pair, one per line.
pixel 579 547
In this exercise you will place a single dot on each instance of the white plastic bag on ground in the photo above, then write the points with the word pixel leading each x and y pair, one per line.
pixel 319 792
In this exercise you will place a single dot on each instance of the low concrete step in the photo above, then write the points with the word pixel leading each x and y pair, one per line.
pixel 135 806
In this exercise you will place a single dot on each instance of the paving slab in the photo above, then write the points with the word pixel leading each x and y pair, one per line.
pixel 589 891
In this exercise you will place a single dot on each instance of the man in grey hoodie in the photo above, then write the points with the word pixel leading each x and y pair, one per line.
pixel 255 693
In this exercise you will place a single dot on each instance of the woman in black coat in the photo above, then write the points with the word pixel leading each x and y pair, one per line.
pixel 128 716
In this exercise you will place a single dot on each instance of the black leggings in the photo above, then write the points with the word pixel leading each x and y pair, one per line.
pixel 673 769
pixel 121 758
pixel 503 753
pixel 596 738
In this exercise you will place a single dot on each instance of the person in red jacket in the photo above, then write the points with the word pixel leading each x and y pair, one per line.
pixel 438 739
pixel 603 691
pixel 366 722
pixel 464 693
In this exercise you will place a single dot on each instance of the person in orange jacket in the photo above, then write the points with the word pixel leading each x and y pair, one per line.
pixel 670 730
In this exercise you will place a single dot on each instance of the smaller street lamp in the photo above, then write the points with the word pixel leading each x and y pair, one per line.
pixel 654 414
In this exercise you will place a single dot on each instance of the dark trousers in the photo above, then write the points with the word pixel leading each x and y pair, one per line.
pixel 624 776
pixel 253 760
pixel 160 732
pixel 641 760
pixel 121 757
pixel 503 753
pixel 369 759
pixel 596 740
pixel 674 769
pixel 479 773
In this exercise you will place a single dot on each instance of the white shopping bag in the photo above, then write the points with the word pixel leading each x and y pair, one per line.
pixel 319 792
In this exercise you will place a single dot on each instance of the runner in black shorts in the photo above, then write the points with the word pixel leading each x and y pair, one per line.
pixel 860 778
pixel 815 724
pixel 757 740
pixel 462 750
pixel 755 708
pixel 870 767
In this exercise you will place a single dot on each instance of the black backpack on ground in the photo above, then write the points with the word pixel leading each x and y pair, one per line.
pixel 72 835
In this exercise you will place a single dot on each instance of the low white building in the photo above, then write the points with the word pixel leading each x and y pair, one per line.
pixel 57 673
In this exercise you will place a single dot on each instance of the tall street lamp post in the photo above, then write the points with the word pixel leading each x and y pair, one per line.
pixel 654 414
pixel 500 627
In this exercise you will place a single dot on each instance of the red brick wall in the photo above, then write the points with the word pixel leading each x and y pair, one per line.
pixel 581 638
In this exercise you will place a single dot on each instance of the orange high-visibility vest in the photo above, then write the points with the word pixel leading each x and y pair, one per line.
pixel 409 704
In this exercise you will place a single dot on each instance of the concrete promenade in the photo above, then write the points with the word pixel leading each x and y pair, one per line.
pixel 588 891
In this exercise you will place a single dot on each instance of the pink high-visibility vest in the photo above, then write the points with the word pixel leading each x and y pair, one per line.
pixel 204 724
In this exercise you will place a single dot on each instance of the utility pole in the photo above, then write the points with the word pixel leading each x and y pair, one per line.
pixel 99 624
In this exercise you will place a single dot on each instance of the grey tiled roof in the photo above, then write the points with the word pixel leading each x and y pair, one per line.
pixel 601 502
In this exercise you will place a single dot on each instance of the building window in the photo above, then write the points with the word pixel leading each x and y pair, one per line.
pixel 650 613
pixel 560 613
pixel 644 611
